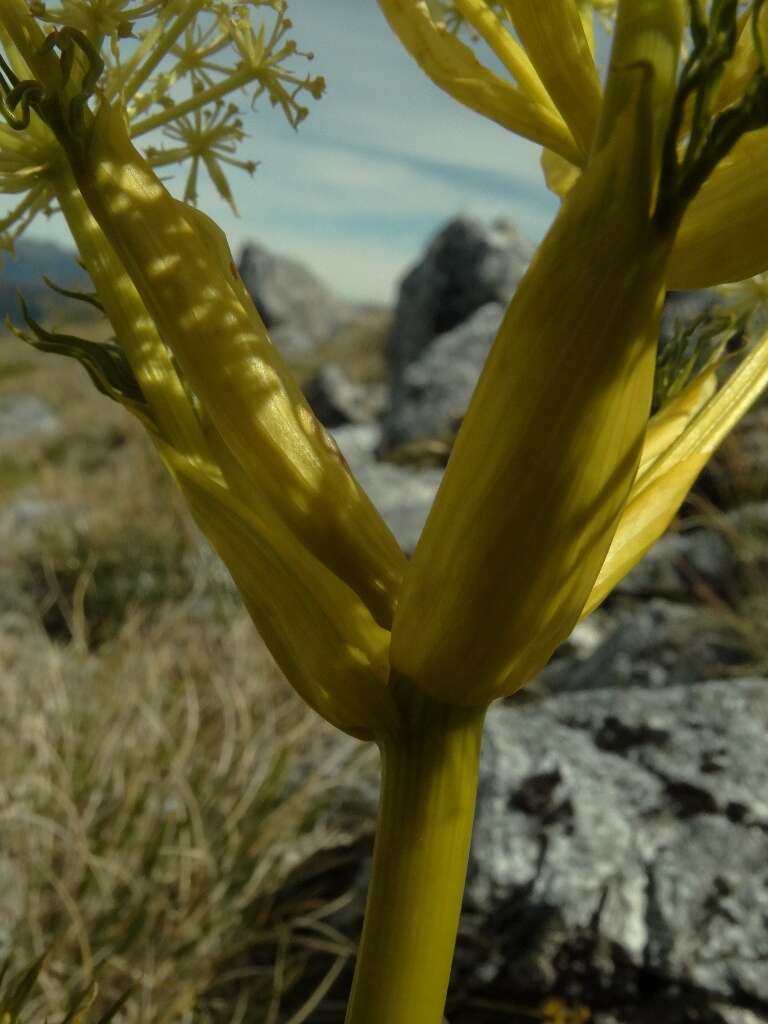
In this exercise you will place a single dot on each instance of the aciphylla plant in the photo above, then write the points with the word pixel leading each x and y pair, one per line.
pixel 560 479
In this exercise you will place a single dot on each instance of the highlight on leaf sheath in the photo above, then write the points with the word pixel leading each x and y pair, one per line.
pixel 316 565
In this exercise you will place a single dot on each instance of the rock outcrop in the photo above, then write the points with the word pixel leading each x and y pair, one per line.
pixel 432 394
pixel 465 266
pixel 621 840
pixel 297 307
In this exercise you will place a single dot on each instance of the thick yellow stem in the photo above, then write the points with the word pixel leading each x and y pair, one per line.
pixel 429 783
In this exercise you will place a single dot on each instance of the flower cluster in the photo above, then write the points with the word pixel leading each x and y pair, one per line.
pixel 180 68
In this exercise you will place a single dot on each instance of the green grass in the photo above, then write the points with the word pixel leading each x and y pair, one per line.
pixel 13 371
pixel 13 475
pixel 736 608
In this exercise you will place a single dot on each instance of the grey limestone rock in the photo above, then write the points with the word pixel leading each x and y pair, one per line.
pixel 683 308
pixel 466 265
pixel 678 562
pixel 434 390
pixel 292 339
pixel 24 417
pixel 295 304
pixel 650 645
pixel 622 835
pixel 336 400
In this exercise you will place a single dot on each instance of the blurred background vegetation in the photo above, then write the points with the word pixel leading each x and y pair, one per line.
pixel 174 821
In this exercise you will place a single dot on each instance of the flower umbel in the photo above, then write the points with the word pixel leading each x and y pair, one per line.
pixel 189 66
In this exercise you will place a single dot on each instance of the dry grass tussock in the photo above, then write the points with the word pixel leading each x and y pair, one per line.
pixel 155 799
pixel 165 800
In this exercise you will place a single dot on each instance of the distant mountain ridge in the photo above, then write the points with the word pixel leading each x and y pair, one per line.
pixel 23 270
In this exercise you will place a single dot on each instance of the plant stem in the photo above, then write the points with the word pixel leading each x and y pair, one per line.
pixel 429 783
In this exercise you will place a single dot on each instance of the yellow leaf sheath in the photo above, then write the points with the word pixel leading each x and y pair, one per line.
pixel 724 233
pixel 548 451
pixel 318 630
pixel 197 300
pixel 553 36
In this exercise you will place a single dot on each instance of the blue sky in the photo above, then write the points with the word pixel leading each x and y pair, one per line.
pixel 382 161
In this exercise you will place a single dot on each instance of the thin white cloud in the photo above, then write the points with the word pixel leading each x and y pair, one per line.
pixel 362 218
pixel 342 181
